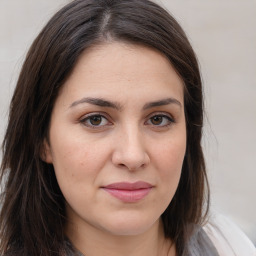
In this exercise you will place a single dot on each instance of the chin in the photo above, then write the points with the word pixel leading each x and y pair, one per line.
pixel 131 226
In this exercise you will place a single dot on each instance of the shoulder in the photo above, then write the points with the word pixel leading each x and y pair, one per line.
pixel 227 237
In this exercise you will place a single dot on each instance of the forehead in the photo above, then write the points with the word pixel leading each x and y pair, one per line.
pixel 122 56
pixel 116 67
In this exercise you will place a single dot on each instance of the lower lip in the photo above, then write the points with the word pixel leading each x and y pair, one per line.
pixel 128 196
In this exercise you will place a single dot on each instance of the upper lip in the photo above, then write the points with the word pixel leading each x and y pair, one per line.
pixel 129 185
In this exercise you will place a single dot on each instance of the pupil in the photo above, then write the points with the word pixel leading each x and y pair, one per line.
pixel 95 120
pixel 157 120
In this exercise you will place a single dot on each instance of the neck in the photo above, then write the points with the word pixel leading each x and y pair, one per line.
pixel 92 242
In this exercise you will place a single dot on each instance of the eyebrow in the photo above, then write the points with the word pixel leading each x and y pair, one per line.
pixel 105 103
pixel 162 102
pixel 98 102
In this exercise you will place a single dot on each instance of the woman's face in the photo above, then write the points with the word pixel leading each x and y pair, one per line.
pixel 118 138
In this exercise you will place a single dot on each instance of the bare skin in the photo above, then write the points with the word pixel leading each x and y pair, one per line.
pixel 119 118
pixel 152 243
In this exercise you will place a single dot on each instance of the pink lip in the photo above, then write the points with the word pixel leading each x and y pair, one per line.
pixel 129 192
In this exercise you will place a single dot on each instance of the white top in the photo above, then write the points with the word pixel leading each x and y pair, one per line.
pixel 227 238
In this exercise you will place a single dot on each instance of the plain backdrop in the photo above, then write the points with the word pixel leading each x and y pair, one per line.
pixel 223 35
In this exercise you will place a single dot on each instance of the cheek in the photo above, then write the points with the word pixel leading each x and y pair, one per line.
pixel 74 161
pixel 169 164
pixel 171 153
pixel 76 172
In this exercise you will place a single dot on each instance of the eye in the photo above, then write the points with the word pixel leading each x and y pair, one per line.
pixel 95 120
pixel 160 120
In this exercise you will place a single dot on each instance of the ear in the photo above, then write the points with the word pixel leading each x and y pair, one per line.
pixel 45 152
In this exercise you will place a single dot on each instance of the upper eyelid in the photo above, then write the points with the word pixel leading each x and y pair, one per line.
pixel 110 119
pixel 103 114
pixel 161 113
pixel 168 118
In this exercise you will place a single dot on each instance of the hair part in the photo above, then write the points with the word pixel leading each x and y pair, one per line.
pixel 33 216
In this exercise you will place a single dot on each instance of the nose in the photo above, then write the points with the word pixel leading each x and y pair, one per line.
pixel 130 151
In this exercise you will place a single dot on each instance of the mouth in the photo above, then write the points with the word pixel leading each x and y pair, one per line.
pixel 129 192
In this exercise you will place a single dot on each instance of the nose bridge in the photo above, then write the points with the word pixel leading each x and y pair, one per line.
pixel 133 139
pixel 130 150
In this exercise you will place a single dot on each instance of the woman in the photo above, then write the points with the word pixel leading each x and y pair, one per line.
pixel 102 153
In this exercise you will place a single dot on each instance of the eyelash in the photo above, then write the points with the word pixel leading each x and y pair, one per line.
pixel 168 119
pixel 88 118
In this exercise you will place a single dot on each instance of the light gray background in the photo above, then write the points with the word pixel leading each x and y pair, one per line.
pixel 223 34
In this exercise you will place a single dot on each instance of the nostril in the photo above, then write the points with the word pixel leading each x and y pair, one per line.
pixel 131 158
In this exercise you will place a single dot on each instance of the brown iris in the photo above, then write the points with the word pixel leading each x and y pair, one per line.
pixel 157 120
pixel 95 120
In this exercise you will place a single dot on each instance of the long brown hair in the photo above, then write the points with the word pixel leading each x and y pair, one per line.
pixel 33 208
